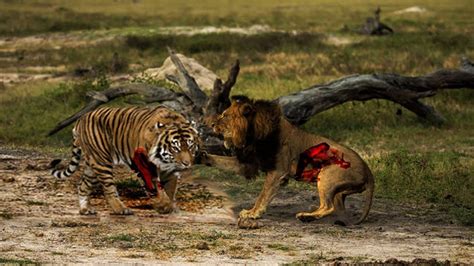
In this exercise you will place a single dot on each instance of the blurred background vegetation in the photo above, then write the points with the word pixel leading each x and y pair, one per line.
pixel 311 42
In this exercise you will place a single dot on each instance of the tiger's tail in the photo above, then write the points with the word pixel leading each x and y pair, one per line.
pixel 71 168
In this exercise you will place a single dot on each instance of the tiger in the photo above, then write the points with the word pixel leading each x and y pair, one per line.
pixel 153 141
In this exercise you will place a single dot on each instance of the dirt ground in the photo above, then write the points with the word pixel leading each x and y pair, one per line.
pixel 40 223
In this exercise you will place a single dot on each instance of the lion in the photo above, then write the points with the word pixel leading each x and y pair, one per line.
pixel 257 129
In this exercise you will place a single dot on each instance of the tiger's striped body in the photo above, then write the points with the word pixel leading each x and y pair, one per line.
pixel 110 136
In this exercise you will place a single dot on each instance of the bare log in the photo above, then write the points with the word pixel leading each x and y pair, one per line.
pixel 406 91
pixel 297 107
pixel 159 94
pixel 187 83
pixel 219 100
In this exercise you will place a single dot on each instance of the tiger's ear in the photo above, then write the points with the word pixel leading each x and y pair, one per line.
pixel 247 109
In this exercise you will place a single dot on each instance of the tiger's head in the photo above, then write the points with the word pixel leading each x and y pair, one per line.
pixel 175 146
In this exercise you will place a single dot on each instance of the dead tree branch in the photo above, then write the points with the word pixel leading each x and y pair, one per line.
pixel 406 91
pixel 187 83
pixel 219 100
pixel 297 107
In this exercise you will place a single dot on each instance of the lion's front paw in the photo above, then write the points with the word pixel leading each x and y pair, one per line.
pixel 250 214
pixel 306 217
pixel 246 223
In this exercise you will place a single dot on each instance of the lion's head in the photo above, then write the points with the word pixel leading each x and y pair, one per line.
pixel 246 120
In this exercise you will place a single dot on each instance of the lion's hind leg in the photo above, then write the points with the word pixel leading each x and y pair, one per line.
pixel 326 205
pixel 339 200
pixel 334 185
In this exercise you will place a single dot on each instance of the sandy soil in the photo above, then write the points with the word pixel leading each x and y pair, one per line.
pixel 39 221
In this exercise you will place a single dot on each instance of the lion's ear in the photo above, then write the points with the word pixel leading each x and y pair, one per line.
pixel 247 109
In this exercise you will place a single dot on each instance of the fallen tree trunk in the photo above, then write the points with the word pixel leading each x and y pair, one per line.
pixel 297 107
pixel 406 91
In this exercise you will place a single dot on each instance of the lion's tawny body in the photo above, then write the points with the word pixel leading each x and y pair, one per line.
pixel 259 131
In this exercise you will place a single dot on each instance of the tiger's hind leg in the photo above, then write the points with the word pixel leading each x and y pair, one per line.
pixel 88 181
pixel 104 175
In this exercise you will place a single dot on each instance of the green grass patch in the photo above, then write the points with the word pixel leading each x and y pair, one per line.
pixel 24 17
pixel 27 116
pixel 443 178
pixel 279 246
pixel 18 261
pixel 226 42
pixel 121 237
pixel 6 215
pixel 130 188
pixel 36 203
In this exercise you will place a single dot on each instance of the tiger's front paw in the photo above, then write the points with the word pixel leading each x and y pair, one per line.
pixel 87 211
pixel 124 211
pixel 250 214
pixel 163 204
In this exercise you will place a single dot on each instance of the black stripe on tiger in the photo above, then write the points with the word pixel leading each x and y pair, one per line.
pixel 109 136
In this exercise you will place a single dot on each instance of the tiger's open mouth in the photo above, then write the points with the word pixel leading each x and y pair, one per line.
pixel 145 169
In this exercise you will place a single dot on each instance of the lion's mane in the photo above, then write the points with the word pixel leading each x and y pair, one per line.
pixel 255 127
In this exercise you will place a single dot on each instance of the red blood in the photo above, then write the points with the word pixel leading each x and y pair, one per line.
pixel 310 175
pixel 318 157
pixel 146 169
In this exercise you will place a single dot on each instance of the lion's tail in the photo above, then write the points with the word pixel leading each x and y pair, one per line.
pixel 369 193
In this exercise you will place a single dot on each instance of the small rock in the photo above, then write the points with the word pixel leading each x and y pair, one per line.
pixel 11 167
pixel 125 245
pixel 8 179
pixel 340 223
pixel 59 194
pixel 37 166
pixel 202 246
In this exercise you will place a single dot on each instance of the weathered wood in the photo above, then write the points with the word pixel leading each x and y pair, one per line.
pixel 219 99
pixel 187 83
pixel 159 94
pixel 406 91
pixel 297 107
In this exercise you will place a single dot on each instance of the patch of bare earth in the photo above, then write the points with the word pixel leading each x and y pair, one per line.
pixel 39 221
